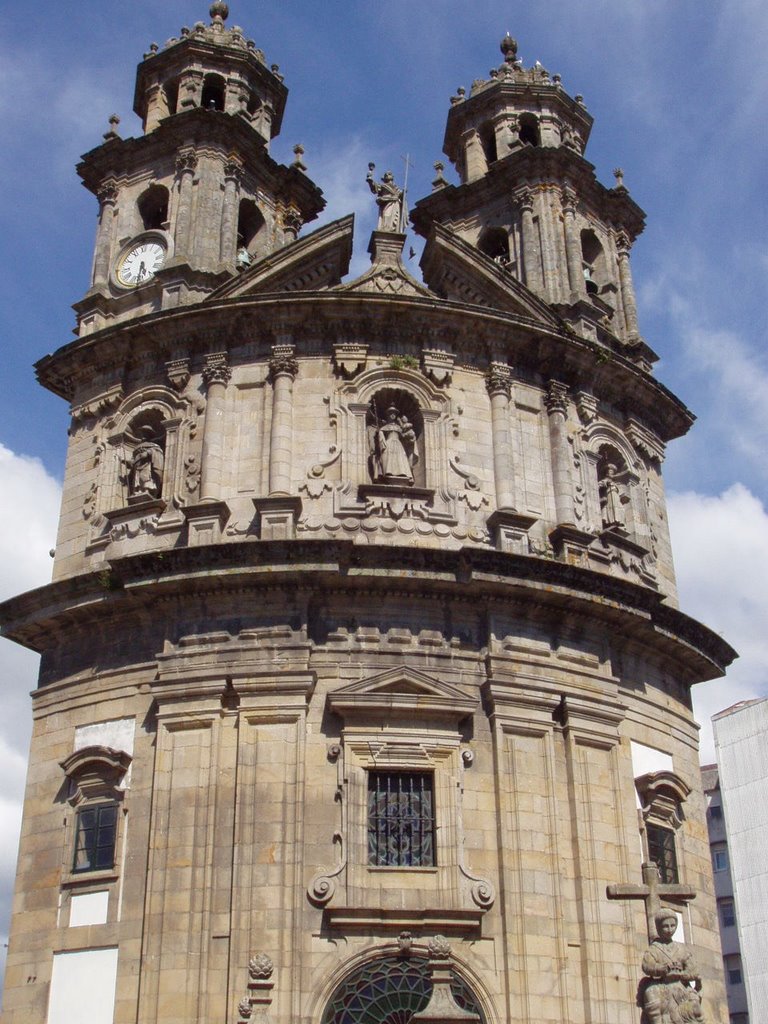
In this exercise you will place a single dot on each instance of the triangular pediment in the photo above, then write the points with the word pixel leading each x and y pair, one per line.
pixel 402 690
pixel 317 261
pixel 458 271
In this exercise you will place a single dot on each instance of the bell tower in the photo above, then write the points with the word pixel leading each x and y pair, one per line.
pixel 530 201
pixel 197 196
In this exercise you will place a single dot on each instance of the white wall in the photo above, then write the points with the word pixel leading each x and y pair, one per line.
pixel 83 987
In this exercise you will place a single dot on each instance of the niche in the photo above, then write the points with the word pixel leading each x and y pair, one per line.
pixel 153 207
pixel 613 490
pixel 144 456
pixel 395 432
pixel 529 130
pixel 213 93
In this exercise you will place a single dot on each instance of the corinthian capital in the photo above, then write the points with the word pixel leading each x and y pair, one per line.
pixel 498 380
pixel 556 398
pixel 186 161
pixel 216 369
pixel 283 362
pixel 107 192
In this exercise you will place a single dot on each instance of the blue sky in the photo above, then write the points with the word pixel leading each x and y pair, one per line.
pixel 678 92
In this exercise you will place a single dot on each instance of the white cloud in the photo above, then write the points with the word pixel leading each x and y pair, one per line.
pixel 721 559
pixel 28 517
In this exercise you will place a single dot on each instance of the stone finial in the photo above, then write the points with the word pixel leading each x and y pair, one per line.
pixel 618 174
pixel 219 11
pixel 439 947
pixel 113 133
pixel 260 966
pixel 298 162
pixel 508 47
pixel 439 181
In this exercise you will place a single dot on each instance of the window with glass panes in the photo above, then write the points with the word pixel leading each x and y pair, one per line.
pixel 661 850
pixel 95 838
pixel 401 819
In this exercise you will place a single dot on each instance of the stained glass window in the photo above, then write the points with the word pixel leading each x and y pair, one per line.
pixel 95 839
pixel 401 821
pixel 389 991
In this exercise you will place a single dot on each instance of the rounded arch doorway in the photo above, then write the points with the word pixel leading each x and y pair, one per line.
pixel 390 990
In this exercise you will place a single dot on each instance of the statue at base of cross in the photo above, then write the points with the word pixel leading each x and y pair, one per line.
pixel 669 992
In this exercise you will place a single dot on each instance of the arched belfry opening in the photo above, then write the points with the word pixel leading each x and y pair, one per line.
pixel 494 242
pixel 395 429
pixel 153 207
pixel 487 134
pixel 392 989
pixel 250 228
pixel 593 261
pixel 213 92
pixel 529 130
pixel 171 90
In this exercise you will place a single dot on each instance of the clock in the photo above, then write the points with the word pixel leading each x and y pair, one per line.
pixel 140 262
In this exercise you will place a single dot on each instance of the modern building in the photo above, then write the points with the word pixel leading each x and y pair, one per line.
pixel 364 692
pixel 725 896
pixel 740 856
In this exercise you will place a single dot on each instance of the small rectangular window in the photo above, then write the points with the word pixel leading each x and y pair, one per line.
pixel 727 913
pixel 719 858
pixel 715 812
pixel 95 838
pixel 661 850
pixel 401 820
pixel 733 969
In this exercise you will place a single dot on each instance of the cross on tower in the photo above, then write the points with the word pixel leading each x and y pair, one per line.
pixel 652 891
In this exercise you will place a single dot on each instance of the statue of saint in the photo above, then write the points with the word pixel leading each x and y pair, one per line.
pixel 145 471
pixel 394 451
pixel 669 993
pixel 389 199
pixel 612 498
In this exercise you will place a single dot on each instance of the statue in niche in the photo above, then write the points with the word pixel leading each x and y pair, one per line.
pixel 394 449
pixel 145 471
pixel 612 498
pixel 669 993
pixel 389 199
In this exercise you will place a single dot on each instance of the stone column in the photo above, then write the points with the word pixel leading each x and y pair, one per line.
pixel 510 528
pixel 531 260
pixel 499 389
pixel 474 159
pixel 107 196
pixel 569 541
pixel 186 163
pixel 279 511
pixel 573 247
pixel 216 375
pixel 627 288
pixel 556 401
pixel 233 171
pixel 283 369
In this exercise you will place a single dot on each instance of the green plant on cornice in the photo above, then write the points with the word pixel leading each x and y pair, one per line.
pixel 601 355
pixel 108 580
pixel 403 363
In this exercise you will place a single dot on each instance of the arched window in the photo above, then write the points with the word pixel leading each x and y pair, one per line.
pixel 391 989
pixel 395 428
pixel 153 207
pixel 213 93
pixel 144 459
pixel 529 130
pixel 250 224
pixel 487 135
pixel 593 261
pixel 494 242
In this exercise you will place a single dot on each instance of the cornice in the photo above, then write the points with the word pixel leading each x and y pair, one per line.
pixel 55 615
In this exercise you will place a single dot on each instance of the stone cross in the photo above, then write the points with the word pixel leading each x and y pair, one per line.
pixel 652 891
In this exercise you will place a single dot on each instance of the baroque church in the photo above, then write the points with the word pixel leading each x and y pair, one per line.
pixel 364 694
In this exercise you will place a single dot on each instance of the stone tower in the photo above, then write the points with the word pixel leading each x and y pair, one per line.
pixel 364 692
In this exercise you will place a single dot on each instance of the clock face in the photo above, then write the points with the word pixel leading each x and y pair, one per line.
pixel 140 263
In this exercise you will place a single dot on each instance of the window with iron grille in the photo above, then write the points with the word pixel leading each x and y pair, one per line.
pixel 401 820
pixel 727 913
pixel 661 850
pixel 95 838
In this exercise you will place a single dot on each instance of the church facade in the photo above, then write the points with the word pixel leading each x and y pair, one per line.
pixel 364 693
